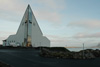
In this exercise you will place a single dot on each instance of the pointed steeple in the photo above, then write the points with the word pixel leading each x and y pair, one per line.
pixel 28 5
pixel 28 15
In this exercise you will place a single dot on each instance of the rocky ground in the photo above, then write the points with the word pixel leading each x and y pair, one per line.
pixel 4 65
pixel 65 53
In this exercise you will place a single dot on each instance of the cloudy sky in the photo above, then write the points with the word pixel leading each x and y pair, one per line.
pixel 64 22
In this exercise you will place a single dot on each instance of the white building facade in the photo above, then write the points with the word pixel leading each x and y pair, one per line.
pixel 28 34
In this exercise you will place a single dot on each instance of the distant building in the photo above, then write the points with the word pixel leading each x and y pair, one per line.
pixel 28 34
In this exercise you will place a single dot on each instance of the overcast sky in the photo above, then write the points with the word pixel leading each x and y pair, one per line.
pixel 64 22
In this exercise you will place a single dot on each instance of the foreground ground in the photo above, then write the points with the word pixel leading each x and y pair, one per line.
pixel 31 58
pixel 4 65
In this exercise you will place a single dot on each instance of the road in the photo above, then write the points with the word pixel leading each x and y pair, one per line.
pixel 31 58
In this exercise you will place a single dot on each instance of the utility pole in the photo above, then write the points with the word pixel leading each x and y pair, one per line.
pixel 83 50
pixel 40 46
pixel 66 46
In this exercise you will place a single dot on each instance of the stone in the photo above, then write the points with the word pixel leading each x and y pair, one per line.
pixel 88 54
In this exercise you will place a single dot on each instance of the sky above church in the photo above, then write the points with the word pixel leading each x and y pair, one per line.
pixel 64 22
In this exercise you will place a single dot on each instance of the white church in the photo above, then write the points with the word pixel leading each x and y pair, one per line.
pixel 28 34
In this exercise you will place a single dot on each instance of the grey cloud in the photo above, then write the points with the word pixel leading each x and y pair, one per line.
pixel 87 35
pixel 48 10
pixel 87 24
